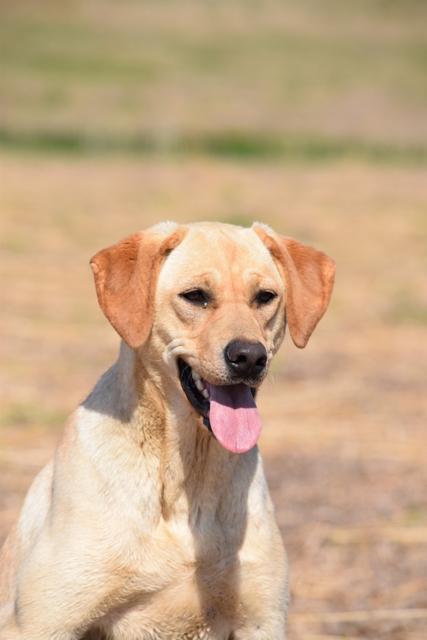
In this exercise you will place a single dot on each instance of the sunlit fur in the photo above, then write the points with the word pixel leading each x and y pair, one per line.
pixel 144 527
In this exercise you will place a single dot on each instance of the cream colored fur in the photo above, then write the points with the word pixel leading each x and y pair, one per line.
pixel 143 527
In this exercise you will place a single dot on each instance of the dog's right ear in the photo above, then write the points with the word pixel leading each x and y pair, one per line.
pixel 126 277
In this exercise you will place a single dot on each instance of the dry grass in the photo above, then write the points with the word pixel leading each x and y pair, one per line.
pixel 344 438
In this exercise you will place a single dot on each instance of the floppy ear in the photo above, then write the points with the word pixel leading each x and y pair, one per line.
pixel 126 278
pixel 309 279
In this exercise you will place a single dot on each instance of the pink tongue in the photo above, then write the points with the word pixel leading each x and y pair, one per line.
pixel 234 417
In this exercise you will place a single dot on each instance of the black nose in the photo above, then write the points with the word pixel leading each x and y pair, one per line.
pixel 245 359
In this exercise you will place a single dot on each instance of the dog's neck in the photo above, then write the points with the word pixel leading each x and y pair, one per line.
pixel 154 414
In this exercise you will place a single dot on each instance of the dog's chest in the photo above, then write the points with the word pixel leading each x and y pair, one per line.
pixel 185 572
pixel 164 626
pixel 186 587
pixel 194 605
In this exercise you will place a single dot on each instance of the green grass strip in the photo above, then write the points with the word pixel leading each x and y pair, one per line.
pixel 241 145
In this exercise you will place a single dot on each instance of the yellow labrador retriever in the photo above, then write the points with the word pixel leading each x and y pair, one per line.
pixel 154 522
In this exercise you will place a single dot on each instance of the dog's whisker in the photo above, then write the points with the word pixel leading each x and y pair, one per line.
pixel 184 372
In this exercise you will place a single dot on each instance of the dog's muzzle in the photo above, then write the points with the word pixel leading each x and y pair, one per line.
pixel 229 411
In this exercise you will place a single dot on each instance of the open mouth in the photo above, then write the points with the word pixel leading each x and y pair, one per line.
pixel 229 411
pixel 196 389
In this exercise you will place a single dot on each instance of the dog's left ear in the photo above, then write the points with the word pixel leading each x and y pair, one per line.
pixel 126 277
pixel 309 279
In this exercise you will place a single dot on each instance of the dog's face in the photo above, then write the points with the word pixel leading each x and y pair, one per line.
pixel 211 301
pixel 220 305
pixel 218 320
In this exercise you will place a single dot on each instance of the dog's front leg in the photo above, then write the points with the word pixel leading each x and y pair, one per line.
pixel 265 619
pixel 11 630
pixel 8 626
pixel 262 631
pixel 264 589
pixel 50 604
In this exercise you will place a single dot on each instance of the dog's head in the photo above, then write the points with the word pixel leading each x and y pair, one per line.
pixel 212 301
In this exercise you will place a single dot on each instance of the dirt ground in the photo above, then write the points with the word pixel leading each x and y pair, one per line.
pixel 344 439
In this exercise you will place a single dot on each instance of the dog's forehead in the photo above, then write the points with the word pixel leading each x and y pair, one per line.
pixel 220 248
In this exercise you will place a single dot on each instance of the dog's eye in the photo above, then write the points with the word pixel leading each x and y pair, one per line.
pixel 264 297
pixel 196 296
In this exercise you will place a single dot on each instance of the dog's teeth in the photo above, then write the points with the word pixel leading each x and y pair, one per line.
pixel 195 375
pixel 199 384
pixel 205 394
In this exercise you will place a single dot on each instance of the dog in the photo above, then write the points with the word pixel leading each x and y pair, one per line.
pixel 153 521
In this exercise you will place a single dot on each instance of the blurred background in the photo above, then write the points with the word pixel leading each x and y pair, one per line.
pixel 309 115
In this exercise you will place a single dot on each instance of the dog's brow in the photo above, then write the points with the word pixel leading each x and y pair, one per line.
pixel 196 278
pixel 256 274
pixel 250 276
